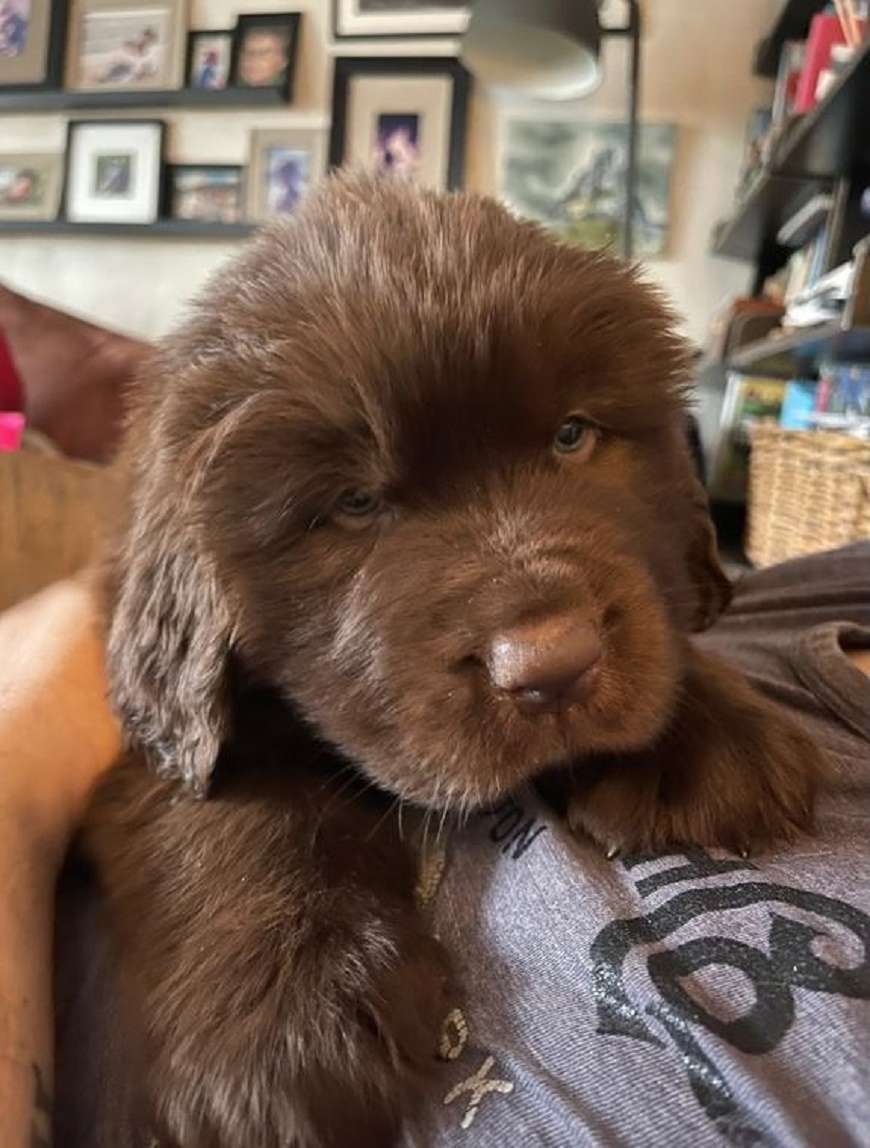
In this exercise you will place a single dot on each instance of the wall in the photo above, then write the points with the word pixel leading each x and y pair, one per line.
pixel 696 74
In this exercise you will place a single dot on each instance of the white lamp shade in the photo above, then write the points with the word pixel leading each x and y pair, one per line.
pixel 546 49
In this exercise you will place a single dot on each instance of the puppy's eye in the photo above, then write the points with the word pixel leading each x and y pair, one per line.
pixel 575 434
pixel 358 503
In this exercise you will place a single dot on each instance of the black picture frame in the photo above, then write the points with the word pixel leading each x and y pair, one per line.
pixel 348 67
pixel 74 124
pixel 248 20
pixel 192 36
pixel 58 18
pixel 338 34
pixel 173 169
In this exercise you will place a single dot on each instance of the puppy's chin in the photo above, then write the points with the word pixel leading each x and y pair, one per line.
pixel 450 742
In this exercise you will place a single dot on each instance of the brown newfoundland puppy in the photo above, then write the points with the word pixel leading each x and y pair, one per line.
pixel 411 517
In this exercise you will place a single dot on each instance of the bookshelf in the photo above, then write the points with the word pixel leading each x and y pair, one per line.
pixel 834 138
pixel 793 23
pixel 160 229
pixel 770 201
pixel 791 354
pixel 822 147
pixel 188 98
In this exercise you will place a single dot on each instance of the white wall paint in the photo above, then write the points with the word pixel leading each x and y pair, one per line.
pixel 696 74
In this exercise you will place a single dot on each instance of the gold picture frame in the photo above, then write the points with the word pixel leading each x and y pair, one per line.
pixel 127 45
pixel 31 45
pixel 30 185
pixel 282 165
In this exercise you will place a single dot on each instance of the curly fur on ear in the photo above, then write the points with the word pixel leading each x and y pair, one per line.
pixel 169 633
pixel 168 657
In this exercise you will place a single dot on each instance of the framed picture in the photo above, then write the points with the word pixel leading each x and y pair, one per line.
pixel 569 174
pixel 209 58
pixel 402 117
pixel 114 171
pixel 264 51
pixel 283 164
pixel 32 36
pixel 210 192
pixel 119 45
pixel 378 18
pixel 30 186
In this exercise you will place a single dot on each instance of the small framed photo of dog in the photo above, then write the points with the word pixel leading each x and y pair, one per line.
pixel 32 34
pixel 283 165
pixel 355 19
pixel 209 59
pixel 114 171
pixel 401 118
pixel 264 51
pixel 208 192
pixel 30 185
pixel 121 45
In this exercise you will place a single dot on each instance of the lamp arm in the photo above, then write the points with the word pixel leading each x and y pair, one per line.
pixel 633 100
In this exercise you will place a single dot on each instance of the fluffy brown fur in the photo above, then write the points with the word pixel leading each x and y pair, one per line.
pixel 424 351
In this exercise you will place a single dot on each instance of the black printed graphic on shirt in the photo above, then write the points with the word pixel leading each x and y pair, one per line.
pixel 789 963
pixel 511 829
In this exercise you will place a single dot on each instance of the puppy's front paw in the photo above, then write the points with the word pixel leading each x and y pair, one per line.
pixel 398 1018
pixel 732 770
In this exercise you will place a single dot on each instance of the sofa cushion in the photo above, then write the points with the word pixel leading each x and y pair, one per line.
pixel 53 514
pixel 73 374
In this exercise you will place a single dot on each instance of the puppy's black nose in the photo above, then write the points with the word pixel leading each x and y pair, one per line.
pixel 546 664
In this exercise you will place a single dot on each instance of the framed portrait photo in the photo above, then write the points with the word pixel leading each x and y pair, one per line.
pixel 114 171
pixel 283 164
pixel 402 118
pixel 32 36
pixel 120 45
pixel 209 192
pixel 30 185
pixel 264 51
pixel 209 59
pixel 354 19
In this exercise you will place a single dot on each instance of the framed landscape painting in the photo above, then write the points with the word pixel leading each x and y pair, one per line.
pixel 569 174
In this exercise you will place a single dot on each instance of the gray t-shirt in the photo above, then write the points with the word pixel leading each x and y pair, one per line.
pixel 690 999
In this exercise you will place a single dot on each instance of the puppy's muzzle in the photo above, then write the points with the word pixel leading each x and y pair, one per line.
pixel 547 664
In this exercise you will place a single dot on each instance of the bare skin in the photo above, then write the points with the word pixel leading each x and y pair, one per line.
pixel 57 735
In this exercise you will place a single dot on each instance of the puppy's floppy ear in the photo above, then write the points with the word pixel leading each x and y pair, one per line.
pixel 169 643
pixel 711 585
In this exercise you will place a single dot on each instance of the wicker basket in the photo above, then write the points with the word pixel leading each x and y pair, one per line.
pixel 808 490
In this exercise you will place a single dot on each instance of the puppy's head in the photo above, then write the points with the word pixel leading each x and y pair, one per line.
pixel 422 469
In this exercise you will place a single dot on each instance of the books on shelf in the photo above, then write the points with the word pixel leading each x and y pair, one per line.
pixel 828 51
pixel 806 222
pixel 823 298
pixel 747 399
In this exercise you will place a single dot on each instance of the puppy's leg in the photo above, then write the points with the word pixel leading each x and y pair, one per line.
pixel 269 945
pixel 732 769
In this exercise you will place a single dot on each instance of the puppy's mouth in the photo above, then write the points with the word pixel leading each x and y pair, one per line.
pixel 551 693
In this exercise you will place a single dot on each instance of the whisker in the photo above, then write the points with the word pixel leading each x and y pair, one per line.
pixel 380 821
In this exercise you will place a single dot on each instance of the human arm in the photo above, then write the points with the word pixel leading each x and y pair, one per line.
pixel 57 734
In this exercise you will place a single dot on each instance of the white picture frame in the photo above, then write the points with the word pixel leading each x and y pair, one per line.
pixel 114 171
